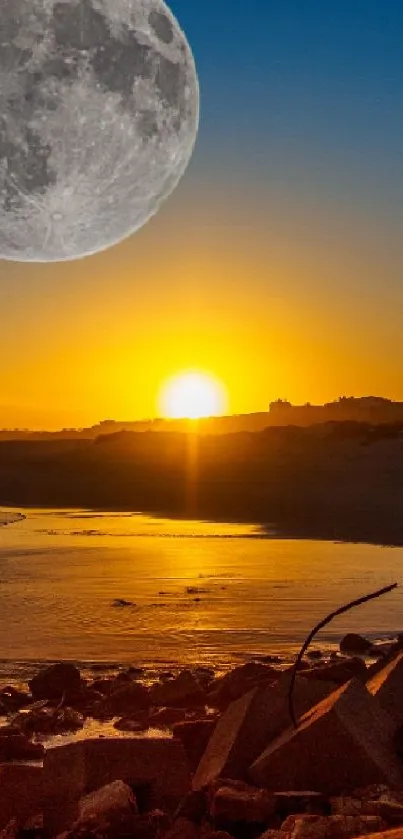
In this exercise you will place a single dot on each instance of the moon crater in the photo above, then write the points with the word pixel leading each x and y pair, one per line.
pixel 99 107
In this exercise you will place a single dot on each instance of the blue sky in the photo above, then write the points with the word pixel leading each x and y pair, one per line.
pixel 315 85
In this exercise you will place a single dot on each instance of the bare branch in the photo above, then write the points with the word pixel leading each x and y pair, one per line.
pixel 316 629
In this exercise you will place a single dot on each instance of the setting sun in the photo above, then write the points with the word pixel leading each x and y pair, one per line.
pixel 192 395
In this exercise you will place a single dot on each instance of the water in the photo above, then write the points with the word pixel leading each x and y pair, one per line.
pixel 201 592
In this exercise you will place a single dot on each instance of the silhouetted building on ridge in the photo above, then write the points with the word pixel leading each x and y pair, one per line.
pixel 370 409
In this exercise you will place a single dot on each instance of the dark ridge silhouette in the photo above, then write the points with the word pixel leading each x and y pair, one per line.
pixel 334 480
pixel 374 410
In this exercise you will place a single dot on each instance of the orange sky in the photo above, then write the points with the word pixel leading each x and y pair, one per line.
pixel 273 302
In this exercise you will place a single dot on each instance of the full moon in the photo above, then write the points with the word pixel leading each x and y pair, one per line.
pixel 99 111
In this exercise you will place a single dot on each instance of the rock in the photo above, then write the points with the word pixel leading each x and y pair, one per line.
pixel 56 681
pixel 131 827
pixel 13 700
pixel 387 686
pixel 183 691
pixel 124 701
pixel 289 803
pixel 344 742
pixel 271 659
pixel 272 833
pixel 240 681
pixel 18 747
pixel 167 716
pixel 222 834
pixel 156 766
pixel 340 672
pixel 250 723
pixel 373 792
pixel 183 829
pixel 112 809
pixel 387 834
pixel 32 828
pixel 47 720
pixel 123 678
pixel 103 686
pixel 231 805
pixel 135 672
pixel 85 700
pixel 330 827
pixel 383 649
pixel 133 725
pixel 10 831
pixel 344 805
pixel 194 806
pixel 21 792
pixel 391 812
pixel 353 644
pixel 159 821
pixel 204 675
pixel 120 603
pixel 195 735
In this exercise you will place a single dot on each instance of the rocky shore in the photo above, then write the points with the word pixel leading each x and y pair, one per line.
pixel 205 756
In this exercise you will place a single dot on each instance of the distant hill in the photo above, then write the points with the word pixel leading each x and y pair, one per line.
pixel 374 410
pixel 334 480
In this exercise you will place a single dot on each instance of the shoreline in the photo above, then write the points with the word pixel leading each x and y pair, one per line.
pixel 270 531
pixel 58 702
pixel 17 672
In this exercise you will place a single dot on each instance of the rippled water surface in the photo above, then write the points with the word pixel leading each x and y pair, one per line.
pixel 199 592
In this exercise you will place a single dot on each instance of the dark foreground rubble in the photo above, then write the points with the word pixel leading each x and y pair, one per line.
pixel 196 756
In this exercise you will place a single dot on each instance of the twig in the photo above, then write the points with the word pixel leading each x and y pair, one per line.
pixel 316 629
pixel 60 705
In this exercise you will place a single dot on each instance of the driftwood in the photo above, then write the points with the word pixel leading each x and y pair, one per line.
pixel 316 629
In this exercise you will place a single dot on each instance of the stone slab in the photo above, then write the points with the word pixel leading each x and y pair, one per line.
pixel 72 771
pixel 343 743
pixel 250 723
pixel 21 792
pixel 387 686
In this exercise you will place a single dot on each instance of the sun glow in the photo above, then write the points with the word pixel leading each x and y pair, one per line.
pixel 192 395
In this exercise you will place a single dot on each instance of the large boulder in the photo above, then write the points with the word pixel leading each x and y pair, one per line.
pixel 124 701
pixel 300 801
pixel 231 806
pixel 43 719
pixel 19 747
pixel 387 686
pixel 241 680
pixel 340 672
pixel 56 681
pixel 112 810
pixel 345 742
pixel 183 691
pixel 12 700
pixel 354 644
pixel 167 717
pixel 250 723
pixel 195 735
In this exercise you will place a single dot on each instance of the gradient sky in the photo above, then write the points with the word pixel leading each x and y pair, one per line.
pixel 277 265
